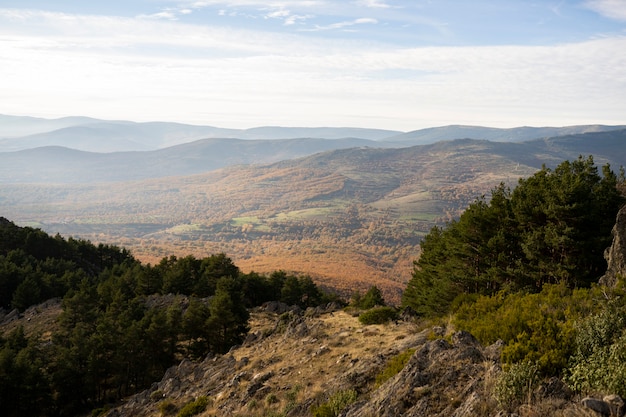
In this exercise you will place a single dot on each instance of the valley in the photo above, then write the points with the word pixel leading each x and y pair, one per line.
pixel 350 218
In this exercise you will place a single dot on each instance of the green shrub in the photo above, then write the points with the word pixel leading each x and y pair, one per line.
pixel 394 366
pixel 292 397
pixel 534 327
pixel 157 395
pixel 599 361
pixel 372 298
pixel 271 399
pixel 378 315
pixel 100 411
pixel 516 385
pixel 283 322
pixel 194 407
pixel 252 405
pixel 335 404
pixel 167 407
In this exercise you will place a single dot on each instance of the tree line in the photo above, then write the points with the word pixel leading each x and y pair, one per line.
pixel 122 323
pixel 552 228
pixel 523 268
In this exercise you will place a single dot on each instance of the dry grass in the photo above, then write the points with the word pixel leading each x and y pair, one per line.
pixel 307 369
pixel 38 320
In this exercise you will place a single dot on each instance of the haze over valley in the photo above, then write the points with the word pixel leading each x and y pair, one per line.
pixel 350 211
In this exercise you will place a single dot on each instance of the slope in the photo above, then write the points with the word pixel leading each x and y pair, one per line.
pixel 350 218
pixel 55 164
pixel 93 135
pixel 516 134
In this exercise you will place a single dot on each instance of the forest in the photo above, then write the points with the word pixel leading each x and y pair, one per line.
pixel 521 266
pixel 123 323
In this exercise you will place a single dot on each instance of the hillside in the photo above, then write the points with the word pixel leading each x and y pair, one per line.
pixel 54 164
pixel 138 340
pixel 293 362
pixel 349 217
pixel 93 135
pixel 516 134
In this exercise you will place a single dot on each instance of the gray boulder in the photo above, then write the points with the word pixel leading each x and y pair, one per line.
pixel 615 255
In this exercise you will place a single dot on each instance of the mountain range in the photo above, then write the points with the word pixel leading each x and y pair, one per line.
pixel 346 212
pixel 94 135
pixel 85 150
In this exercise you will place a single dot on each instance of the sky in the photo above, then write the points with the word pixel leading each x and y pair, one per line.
pixel 389 64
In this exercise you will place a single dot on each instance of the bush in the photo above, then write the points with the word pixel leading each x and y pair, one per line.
pixel 534 327
pixel 271 399
pixel 100 411
pixel 378 315
pixel 372 298
pixel 193 408
pixel 157 395
pixel 599 361
pixel 394 366
pixel 335 404
pixel 516 385
pixel 167 408
pixel 292 397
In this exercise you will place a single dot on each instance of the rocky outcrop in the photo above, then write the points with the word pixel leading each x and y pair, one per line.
pixel 609 406
pixel 441 379
pixel 290 361
pixel 295 362
pixel 616 254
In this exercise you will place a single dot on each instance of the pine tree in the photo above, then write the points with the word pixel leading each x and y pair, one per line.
pixel 228 321
pixel 553 228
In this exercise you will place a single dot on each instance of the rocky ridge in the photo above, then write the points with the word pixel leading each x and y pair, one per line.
pixel 290 361
pixel 294 360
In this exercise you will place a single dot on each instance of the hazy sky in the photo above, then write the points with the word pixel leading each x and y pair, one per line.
pixel 391 64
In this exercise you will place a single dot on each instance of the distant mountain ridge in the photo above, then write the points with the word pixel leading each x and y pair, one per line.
pixel 516 134
pixel 93 135
pixel 104 136
pixel 55 164
pixel 65 165
pixel 350 216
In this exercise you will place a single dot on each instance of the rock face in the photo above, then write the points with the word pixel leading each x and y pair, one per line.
pixel 616 254
pixel 441 379
pixel 610 406
pixel 297 361
pixel 292 361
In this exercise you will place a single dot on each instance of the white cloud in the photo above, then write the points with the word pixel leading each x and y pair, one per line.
pixel 166 14
pixel 287 17
pixel 376 4
pixel 295 18
pixel 344 24
pixel 123 69
pixel 278 4
pixel 613 9
pixel 279 14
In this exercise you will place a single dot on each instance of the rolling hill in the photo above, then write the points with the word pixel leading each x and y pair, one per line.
pixel 93 135
pixel 349 217
pixel 54 164
pixel 516 134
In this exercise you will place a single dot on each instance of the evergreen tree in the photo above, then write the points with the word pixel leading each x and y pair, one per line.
pixel 228 321
pixel 430 291
pixel 552 228
pixel 24 385
pixel 195 328
pixel 565 219
pixel 372 298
